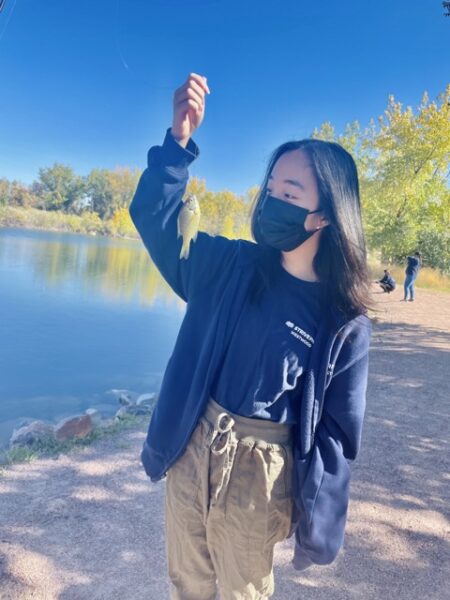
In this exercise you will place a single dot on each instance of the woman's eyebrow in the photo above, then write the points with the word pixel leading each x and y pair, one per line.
pixel 292 182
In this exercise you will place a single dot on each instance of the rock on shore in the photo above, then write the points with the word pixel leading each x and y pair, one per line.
pixel 78 426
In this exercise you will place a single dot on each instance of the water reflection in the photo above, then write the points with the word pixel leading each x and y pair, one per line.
pixel 80 315
pixel 111 268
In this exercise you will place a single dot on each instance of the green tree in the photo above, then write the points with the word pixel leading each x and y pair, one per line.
pixel 356 141
pixel 403 175
pixel 98 191
pixel 4 191
pixel 59 188
pixel 21 195
pixel 407 198
pixel 108 191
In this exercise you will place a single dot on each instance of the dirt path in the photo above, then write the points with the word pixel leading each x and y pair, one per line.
pixel 90 525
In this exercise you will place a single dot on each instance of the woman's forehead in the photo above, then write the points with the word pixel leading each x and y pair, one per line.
pixel 293 162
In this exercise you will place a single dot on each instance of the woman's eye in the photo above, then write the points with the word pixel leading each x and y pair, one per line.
pixel 287 195
pixel 269 192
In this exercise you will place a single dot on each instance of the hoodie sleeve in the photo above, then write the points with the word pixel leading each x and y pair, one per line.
pixel 324 474
pixel 154 211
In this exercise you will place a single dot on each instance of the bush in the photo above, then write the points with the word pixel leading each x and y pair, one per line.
pixel 91 223
pixel 435 247
pixel 121 223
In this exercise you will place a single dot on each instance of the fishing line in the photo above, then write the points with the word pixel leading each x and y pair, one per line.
pixel 119 49
pixel 2 6
pixel 118 11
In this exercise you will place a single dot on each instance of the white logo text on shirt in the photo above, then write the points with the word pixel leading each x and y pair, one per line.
pixel 300 334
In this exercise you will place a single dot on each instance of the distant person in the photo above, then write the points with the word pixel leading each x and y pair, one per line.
pixel 412 270
pixel 387 282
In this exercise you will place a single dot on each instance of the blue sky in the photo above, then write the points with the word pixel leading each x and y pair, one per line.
pixel 90 83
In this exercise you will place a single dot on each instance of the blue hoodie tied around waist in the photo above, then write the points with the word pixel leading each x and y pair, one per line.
pixel 214 282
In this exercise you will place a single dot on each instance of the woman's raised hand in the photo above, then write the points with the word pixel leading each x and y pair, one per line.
pixel 189 107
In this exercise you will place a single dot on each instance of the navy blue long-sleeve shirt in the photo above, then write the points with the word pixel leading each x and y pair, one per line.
pixel 261 373
pixel 213 282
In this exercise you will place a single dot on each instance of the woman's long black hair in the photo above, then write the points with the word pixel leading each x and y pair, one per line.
pixel 340 262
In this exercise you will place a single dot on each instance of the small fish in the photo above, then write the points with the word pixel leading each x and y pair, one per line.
pixel 187 223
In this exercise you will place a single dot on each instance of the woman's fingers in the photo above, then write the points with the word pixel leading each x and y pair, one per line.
pixel 190 89
pixel 194 82
pixel 189 105
pixel 191 94
pixel 200 80
pixel 195 87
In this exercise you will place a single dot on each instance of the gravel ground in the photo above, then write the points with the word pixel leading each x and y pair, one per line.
pixel 89 525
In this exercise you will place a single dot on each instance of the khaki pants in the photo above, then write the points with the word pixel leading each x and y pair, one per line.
pixel 229 500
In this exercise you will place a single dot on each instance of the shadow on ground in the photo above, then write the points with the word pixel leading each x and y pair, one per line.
pixel 90 525
pixel 398 530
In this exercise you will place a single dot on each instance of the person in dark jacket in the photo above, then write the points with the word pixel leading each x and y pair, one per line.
pixel 387 282
pixel 412 270
pixel 261 406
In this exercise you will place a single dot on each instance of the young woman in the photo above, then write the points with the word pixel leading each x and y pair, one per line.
pixel 261 405
pixel 412 270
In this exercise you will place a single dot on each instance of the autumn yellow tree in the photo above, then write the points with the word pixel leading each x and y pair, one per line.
pixel 403 167
pixel 407 198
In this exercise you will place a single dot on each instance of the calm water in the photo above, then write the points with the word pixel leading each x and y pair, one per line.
pixel 79 316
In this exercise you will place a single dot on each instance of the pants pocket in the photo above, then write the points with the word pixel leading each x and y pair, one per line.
pixel 259 506
pixel 183 478
pixel 280 493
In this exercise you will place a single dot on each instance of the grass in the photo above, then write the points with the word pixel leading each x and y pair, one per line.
pixel 55 447
pixel 87 223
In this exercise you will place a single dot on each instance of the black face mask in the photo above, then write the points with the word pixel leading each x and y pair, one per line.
pixel 281 224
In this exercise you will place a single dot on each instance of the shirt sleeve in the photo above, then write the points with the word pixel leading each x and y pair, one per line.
pixel 154 211
pixel 324 474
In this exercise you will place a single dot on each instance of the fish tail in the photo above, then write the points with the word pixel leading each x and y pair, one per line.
pixel 185 250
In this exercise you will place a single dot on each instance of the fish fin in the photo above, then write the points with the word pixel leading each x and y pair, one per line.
pixel 184 251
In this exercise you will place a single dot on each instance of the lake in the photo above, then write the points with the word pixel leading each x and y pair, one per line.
pixel 80 316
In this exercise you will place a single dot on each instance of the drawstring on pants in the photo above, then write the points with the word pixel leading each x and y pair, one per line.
pixel 222 429
pixel 221 444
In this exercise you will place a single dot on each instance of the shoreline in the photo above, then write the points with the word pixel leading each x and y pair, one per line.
pixel 36 438
pixel 11 457
pixel 429 278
